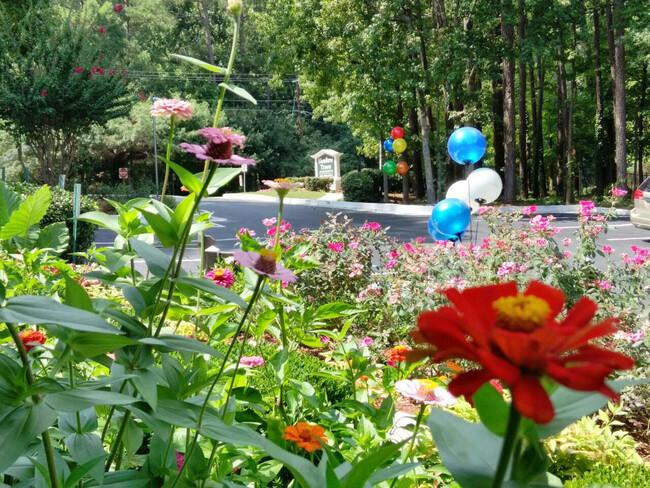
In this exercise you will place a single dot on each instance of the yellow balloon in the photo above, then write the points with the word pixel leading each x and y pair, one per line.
pixel 399 145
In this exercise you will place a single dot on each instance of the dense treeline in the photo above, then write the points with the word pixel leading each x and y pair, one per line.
pixel 559 87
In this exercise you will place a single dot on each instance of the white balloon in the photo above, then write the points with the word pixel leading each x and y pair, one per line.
pixel 485 185
pixel 459 190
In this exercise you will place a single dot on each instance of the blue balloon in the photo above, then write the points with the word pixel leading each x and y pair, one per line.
pixel 451 217
pixel 388 144
pixel 466 145
pixel 437 236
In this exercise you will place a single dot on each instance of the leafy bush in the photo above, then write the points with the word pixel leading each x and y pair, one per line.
pixel 123 192
pixel 619 475
pixel 360 187
pixel 318 184
pixel 61 211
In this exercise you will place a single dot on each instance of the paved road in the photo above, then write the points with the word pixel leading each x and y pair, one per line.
pixel 229 216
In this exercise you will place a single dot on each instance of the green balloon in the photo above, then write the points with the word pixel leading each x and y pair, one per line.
pixel 390 168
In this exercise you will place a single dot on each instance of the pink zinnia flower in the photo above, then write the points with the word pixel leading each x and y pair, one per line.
pixel 78 70
pixel 118 8
pixel 530 210
pixel 618 192
pixel 371 226
pixel 180 461
pixel 102 30
pixel 264 263
pixel 221 276
pixel 337 247
pixel 170 107
pixel 281 186
pixel 252 361
pixel 219 146
pixel 425 391
pixel 366 341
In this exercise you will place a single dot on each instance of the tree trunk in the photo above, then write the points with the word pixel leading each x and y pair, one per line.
pixel 426 151
pixel 601 176
pixel 611 44
pixel 638 160
pixel 619 96
pixel 562 124
pixel 534 177
pixel 523 158
pixel 540 127
pixel 507 32
pixel 570 178
pixel 497 125
pixel 416 154
pixel 208 34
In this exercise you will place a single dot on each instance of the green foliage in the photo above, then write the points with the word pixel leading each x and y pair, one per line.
pixel 614 475
pixel 360 187
pixel 318 184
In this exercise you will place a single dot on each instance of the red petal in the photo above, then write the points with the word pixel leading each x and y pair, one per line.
pixel 593 354
pixel 580 314
pixel 498 367
pixel 519 347
pixel 532 401
pixel 589 377
pixel 552 296
pixel 475 304
pixel 584 335
pixel 468 383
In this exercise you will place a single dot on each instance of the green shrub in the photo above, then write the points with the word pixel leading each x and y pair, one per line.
pixel 123 192
pixel 616 475
pixel 61 211
pixel 318 184
pixel 360 187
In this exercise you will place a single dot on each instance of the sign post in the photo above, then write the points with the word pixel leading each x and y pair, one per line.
pixel 62 181
pixel 244 170
pixel 76 207
pixel 123 173
pixel 327 164
pixel 4 174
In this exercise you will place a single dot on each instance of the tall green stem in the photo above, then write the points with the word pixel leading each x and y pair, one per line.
pixel 45 435
pixel 514 419
pixel 226 78
pixel 169 154
pixel 199 423
pixel 276 246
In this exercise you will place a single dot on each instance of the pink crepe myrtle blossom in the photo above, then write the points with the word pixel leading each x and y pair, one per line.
pixel 541 242
pixel 530 210
pixel 219 146
pixel 539 223
pixel 366 341
pixel 284 226
pixel 118 8
pixel 608 250
pixel 586 207
pixel 78 70
pixel 353 245
pixel 97 71
pixel 243 231
pixel 604 285
pixel 356 270
pixel 101 30
pixel 252 361
pixel 391 264
pixel 618 192
pixel 171 107
pixel 567 254
pixel 425 391
pixel 420 240
pixel 269 222
pixel 371 226
pixel 566 241
pixel 337 247
pixel 264 263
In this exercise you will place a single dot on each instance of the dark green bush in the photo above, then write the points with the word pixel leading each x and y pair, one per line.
pixel 61 211
pixel 123 192
pixel 621 476
pixel 360 187
pixel 318 184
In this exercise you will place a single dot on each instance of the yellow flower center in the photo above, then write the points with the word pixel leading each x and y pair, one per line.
pixel 428 384
pixel 282 180
pixel 521 313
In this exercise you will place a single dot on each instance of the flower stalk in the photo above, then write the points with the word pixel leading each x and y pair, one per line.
pixel 509 441
pixel 168 156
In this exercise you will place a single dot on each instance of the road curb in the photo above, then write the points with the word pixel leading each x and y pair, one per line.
pixel 399 209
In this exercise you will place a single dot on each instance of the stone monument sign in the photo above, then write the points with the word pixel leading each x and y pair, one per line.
pixel 327 164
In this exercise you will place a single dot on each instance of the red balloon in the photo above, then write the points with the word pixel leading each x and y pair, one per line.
pixel 402 167
pixel 397 132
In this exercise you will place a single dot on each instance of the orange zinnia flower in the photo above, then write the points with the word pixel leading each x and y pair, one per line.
pixel 31 337
pixel 307 436
pixel 397 354
pixel 518 339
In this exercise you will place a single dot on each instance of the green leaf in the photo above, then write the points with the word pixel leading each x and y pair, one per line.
pixel 110 222
pixel 189 181
pixel 20 426
pixel 571 405
pixel 213 289
pixel 364 468
pixel 122 479
pixel 38 310
pixel 157 261
pixel 199 63
pixel 240 92
pixel 76 296
pixel 167 343
pixel 29 213
pixel 469 451
pixel 183 213
pixel 391 472
pixel 91 344
pixel 95 465
pixel 144 381
pixel 78 399
pixel 88 452
pixel 492 409
pixel 54 237
pixel 164 230
pixel 335 310
pixel 9 202
pixel 222 176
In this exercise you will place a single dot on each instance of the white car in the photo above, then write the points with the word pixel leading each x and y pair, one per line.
pixel 640 215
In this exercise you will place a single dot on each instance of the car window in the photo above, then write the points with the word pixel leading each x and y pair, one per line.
pixel 645 186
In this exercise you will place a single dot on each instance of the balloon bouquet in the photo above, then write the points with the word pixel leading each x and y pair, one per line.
pixel 395 144
pixel 451 216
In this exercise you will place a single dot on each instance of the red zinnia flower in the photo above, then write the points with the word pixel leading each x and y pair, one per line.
pixel 31 337
pixel 396 354
pixel 518 339
pixel 118 8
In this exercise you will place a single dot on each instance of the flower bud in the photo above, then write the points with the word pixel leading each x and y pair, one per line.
pixel 235 7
